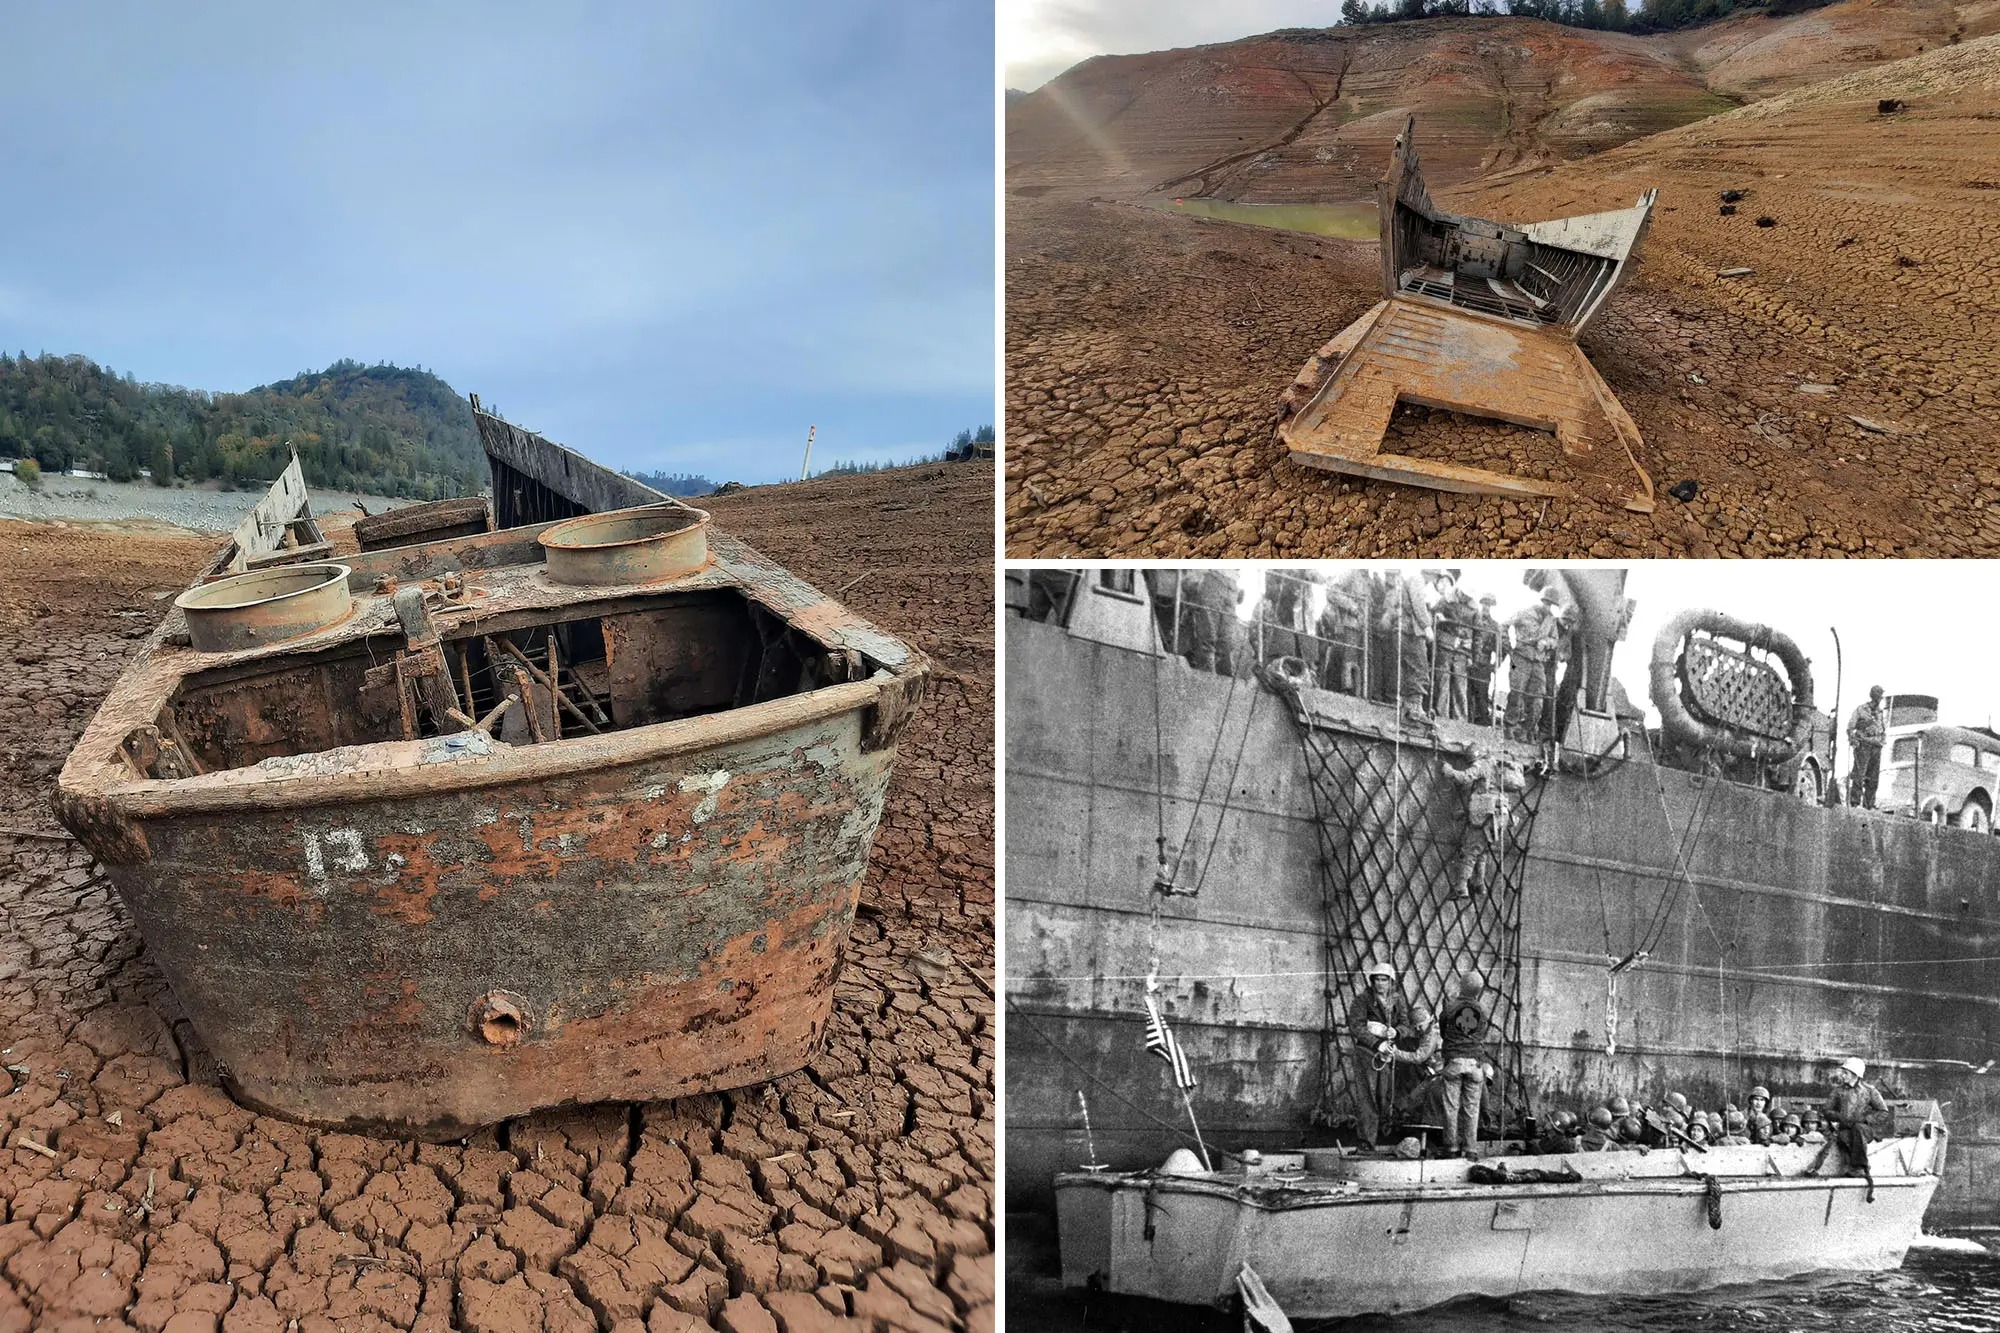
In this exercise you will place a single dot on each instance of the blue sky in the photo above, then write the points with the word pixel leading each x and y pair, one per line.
pixel 672 236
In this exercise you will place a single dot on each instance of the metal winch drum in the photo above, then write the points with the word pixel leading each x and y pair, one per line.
pixel 641 545
pixel 265 606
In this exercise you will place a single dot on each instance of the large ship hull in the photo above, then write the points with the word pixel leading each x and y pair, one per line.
pixel 1800 933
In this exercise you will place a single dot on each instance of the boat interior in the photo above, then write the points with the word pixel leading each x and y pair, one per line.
pixel 1539 273
pixel 449 661
pixel 584 670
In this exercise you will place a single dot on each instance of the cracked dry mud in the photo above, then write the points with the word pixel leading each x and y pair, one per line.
pixel 854 1195
pixel 1146 352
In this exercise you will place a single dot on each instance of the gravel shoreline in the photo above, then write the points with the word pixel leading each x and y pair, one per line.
pixel 197 508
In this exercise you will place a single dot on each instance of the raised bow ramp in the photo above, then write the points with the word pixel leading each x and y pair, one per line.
pixel 1478 317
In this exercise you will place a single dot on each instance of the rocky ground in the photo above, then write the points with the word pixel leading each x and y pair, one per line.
pixel 855 1195
pixel 1837 400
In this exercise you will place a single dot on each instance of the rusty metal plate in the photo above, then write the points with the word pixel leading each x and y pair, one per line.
pixel 1409 349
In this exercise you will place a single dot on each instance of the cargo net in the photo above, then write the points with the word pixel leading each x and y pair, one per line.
pixel 1733 688
pixel 1391 829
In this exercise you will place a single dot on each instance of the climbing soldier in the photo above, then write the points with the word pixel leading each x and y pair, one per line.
pixel 1531 634
pixel 1479 669
pixel 1865 731
pixel 1465 1028
pixel 1378 1017
pixel 1856 1114
pixel 1488 784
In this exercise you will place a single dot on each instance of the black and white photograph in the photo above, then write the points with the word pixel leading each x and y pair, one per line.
pixel 1606 946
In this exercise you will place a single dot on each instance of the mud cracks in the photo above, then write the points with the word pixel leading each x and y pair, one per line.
pixel 853 1195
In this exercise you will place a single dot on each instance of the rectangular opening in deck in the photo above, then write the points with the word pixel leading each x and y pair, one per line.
pixel 587 671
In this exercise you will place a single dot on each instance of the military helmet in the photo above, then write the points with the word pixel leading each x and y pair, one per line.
pixel 1791 1120
pixel 1602 1118
pixel 1628 1128
pixel 1566 1120
pixel 1760 1091
pixel 1619 1107
pixel 1375 970
pixel 1735 1121
pixel 1550 597
pixel 1698 1129
pixel 1678 1102
pixel 1676 1120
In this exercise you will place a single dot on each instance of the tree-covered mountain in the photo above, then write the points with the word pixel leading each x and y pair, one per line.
pixel 383 429
pixel 674 483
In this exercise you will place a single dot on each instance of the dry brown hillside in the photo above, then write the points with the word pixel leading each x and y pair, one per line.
pixel 1308 115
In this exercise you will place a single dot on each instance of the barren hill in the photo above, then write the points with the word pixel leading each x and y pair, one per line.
pixel 1308 115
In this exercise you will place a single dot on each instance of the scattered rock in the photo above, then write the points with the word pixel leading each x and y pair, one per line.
pixel 1734 272
pixel 1767 221
pixel 1817 390
pixel 1684 491
pixel 1874 426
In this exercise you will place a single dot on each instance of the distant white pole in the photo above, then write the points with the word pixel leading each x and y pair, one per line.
pixel 809 452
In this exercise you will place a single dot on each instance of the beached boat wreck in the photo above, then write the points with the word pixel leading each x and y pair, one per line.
pixel 1333 1235
pixel 445 832
pixel 1479 317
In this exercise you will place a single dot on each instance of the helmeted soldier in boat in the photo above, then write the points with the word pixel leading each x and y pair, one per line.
pixel 1465 1029
pixel 1377 1018
pixel 1858 1114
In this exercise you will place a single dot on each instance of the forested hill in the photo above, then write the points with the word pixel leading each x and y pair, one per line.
pixel 381 429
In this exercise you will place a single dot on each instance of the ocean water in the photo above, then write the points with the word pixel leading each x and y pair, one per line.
pixel 1946 1285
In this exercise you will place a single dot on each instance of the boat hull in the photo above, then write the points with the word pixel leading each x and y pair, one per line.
pixel 621 917
pixel 1393 1251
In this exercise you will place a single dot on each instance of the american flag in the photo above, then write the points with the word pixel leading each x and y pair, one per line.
pixel 1160 1041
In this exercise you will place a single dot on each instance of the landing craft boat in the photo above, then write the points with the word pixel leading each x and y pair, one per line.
pixel 1333 1236
pixel 451 830
pixel 1480 317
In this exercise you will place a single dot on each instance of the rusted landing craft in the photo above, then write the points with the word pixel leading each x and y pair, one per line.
pixel 446 832
pixel 1479 317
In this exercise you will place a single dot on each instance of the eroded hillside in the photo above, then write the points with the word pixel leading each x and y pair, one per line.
pixel 1308 115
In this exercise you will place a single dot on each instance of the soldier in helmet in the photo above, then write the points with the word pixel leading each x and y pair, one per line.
pixel 1377 1018
pixel 1600 1135
pixel 1452 626
pixel 1466 1024
pixel 1865 732
pixel 1343 646
pixel 1479 668
pixel 1407 630
pixel 1564 1134
pixel 1211 635
pixel 1490 785
pixel 1858 1114
pixel 1532 635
